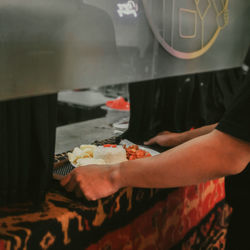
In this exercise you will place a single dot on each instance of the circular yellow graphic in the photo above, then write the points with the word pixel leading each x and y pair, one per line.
pixel 186 28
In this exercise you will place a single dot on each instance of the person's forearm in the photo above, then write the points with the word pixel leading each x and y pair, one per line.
pixel 191 134
pixel 193 162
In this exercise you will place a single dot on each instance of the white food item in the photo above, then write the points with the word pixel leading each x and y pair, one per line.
pixel 77 152
pixel 91 154
pixel 86 146
pixel 85 151
pixel 110 155
pixel 87 161
pixel 72 158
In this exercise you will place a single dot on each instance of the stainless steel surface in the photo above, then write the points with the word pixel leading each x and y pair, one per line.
pixel 51 45
pixel 89 99
pixel 73 135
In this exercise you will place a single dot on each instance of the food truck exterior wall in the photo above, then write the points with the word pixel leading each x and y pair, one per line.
pixel 47 46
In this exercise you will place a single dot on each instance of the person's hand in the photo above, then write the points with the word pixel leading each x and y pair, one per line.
pixel 92 181
pixel 166 139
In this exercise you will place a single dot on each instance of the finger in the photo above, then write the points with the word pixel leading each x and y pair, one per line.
pixel 65 180
pixel 90 197
pixel 150 142
pixel 78 192
pixel 164 132
pixel 89 194
pixel 57 177
pixel 70 186
pixel 161 133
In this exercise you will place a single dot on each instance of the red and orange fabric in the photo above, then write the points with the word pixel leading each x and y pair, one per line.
pixel 133 218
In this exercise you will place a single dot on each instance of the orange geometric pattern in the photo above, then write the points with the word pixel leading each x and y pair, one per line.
pixel 166 224
pixel 141 218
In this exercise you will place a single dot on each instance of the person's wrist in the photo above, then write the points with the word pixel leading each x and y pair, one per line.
pixel 115 175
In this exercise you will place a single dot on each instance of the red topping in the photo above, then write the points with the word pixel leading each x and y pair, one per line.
pixel 133 152
pixel 109 145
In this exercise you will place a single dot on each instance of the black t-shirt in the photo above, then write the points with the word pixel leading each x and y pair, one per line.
pixel 236 122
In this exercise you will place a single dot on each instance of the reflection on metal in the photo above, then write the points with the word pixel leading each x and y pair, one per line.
pixel 50 45
pixel 173 13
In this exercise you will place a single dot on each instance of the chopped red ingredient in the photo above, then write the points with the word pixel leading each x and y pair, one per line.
pixel 140 153
pixel 109 145
pixel 132 157
pixel 133 152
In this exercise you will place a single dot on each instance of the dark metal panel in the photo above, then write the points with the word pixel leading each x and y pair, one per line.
pixel 50 45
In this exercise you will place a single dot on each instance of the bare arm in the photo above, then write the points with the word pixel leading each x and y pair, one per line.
pixel 206 157
pixel 171 139
pixel 191 134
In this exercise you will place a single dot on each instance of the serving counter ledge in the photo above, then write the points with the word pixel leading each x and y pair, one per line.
pixel 133 218
pixel 130 219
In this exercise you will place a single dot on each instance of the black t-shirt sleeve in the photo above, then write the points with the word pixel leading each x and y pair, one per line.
pixel 236 120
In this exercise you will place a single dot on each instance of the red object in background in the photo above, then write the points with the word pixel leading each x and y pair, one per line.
pixel 2 245
pixel 119 103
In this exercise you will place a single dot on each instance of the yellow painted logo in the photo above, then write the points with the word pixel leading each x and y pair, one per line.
pixel 187 28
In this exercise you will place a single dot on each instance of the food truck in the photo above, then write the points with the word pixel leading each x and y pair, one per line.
pixel 165 50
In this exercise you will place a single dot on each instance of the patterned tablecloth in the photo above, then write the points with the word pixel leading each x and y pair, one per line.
pixel 130 219
pixel 133 218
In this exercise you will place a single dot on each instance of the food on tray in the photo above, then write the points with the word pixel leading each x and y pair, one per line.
pixel 89 147
pixel 110 153
pixel 85 151
pixel 106 154
pixel 134 152
pixel 91 154
pixel 87 161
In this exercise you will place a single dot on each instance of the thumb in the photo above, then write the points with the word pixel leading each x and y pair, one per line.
pixel 165 132
pixel 150 142
pixel 65 180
